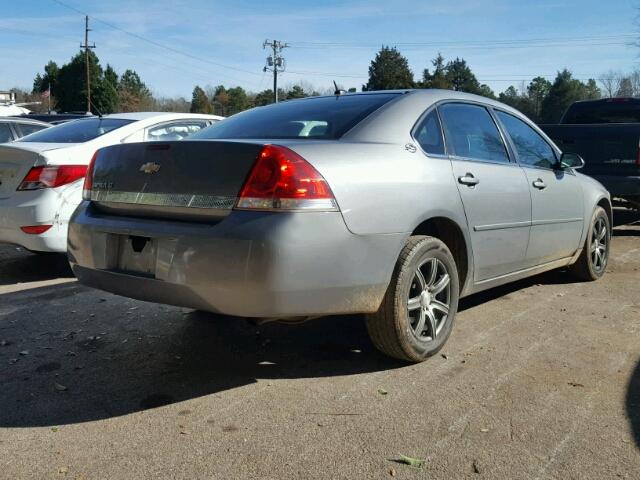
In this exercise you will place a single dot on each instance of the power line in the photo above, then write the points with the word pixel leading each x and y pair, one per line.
pixel 525 42
pixel 153 42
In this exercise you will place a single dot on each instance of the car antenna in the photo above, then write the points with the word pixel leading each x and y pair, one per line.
pixel 96 109
pixel 337 91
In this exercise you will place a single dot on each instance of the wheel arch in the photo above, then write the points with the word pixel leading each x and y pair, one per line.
pixel 452 235
pixel 605 203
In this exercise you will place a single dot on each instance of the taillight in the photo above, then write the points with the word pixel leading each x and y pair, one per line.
pixel 88 178
pixel 52 176
pixel 35 229
pixel 283 180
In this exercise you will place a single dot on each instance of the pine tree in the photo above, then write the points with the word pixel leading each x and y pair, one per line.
pixel 199 102
pixel 388 71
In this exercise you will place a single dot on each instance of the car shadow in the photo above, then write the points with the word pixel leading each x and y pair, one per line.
pixel 633 404
pixel 96 358
pixel 19 266
pixel 553 277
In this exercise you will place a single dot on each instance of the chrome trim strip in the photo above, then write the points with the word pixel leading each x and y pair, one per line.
pixel 552 222
pixel 500 226
pixel 535 223
pixel 220 202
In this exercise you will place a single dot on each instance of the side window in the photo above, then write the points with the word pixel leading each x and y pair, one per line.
pixel 429 134
pixel 175 130
pixel 531 147
pixel 27 128
pixel 5 133
pixel 471 133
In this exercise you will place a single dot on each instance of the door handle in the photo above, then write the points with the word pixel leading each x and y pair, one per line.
pixel 539 184
pixel 468 179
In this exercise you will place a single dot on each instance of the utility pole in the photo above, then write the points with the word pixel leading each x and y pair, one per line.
pixel 86 47
pixel 275 62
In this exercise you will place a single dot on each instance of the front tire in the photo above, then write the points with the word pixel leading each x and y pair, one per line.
pixel 417 313
pixel 593 260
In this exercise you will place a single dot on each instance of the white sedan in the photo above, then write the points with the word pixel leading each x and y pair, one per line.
pixel 41 175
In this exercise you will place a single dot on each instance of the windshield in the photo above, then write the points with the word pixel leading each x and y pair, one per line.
pixel 77 131
pixel 615 111
pixel 317 118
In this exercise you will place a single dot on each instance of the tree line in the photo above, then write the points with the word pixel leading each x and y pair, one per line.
pixel 542 100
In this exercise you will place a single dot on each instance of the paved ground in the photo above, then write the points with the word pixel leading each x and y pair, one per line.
pixel 540 379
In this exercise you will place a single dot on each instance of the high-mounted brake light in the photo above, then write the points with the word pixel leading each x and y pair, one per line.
pixel 88 178
pixel 52 176
pixel 283 180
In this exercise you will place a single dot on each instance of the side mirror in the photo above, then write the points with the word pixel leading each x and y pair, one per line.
pixel 571 160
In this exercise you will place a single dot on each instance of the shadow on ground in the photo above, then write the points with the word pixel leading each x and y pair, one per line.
pixel 91 355
pixel 69 354
pixel 90 360
pixel 19 266
pixel 633 404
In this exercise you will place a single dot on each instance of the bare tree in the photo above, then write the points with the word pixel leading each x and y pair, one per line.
pixel 610 82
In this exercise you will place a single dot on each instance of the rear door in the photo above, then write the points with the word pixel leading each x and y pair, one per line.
pixel 24 129
pixel 493 189
pixel 557 207
pixel 6 134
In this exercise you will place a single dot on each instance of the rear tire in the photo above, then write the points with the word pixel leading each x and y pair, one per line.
pixel 593 260
pixel 417 313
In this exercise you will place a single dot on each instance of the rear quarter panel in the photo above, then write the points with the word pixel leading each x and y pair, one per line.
pixel 384 188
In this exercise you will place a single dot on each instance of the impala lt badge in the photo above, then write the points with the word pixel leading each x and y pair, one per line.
pixel 150 167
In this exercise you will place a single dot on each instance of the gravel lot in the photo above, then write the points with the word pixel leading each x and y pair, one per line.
pixel 540 379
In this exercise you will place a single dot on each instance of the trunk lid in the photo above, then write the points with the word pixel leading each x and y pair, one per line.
pixel 189 179
pixel 15 162
pixel 16 159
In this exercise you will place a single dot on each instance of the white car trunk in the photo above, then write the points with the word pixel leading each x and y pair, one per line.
pixel 16 160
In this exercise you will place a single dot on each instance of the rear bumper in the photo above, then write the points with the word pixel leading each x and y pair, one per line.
pixel 620 186
pixel 270 265
pixel 37 207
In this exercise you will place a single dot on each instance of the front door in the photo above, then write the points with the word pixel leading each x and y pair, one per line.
pixel 493 189
pixel 556 195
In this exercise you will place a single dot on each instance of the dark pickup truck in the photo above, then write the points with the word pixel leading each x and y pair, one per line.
pixel 606 134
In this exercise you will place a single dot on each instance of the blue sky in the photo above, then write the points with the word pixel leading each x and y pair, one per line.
pixel 505 42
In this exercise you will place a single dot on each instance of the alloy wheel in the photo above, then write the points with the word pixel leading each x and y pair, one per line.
pixel 599 244
pixel 429 299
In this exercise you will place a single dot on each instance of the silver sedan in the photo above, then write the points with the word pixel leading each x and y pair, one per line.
pixel 394 204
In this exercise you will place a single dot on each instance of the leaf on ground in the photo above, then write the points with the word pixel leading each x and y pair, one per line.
pixel 412 462
pixel 382 391
pixel 59 387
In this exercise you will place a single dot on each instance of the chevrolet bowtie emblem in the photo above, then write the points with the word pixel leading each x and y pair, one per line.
pixel 150 167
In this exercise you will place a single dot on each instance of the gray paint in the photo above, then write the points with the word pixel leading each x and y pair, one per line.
pixel 301 264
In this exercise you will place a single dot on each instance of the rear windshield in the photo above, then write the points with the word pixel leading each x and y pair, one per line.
pixel 615 111
pixel 313 118
pixel 77 131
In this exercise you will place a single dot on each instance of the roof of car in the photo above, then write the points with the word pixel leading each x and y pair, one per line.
pixel 146 115
pixel 434 93
pixel 23 120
